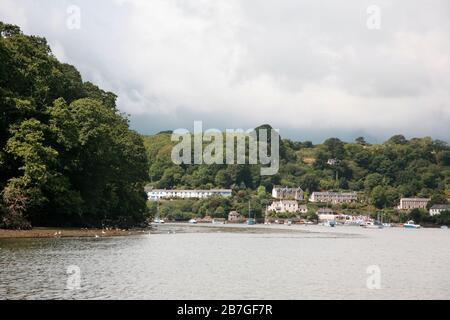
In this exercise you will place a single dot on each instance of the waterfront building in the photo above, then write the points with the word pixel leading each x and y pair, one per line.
pixel 284 206
pixel 439 208
pixel 288 193
pixel 413 203
pixel 157 194
pixel 325 214
pixel 333 197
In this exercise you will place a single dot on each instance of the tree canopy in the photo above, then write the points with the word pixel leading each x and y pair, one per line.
pixel 67 156
pixel 382 172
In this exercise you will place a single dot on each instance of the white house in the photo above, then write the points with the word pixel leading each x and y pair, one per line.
pixel 439 208
pixel 157 194
pixel 284 206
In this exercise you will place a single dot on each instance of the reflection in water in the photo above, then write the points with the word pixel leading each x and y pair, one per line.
pixel 181 262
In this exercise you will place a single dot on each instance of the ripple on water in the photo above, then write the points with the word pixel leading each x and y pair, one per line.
pixel 202 263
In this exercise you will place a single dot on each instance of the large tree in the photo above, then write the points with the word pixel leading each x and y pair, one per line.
pixel 65 150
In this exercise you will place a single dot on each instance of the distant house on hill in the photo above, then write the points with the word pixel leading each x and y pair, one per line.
pixel 286 193
pixel 413 203
pixel 439 208
pixel 333 197
pixel 333 162
pixel 284 206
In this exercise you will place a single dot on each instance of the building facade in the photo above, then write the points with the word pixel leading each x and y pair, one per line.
pixel 288 193
pixel 284 206
pixel 325 214
pixel 157 194
pixel 439 208
pixel 413 203
pixel 333 197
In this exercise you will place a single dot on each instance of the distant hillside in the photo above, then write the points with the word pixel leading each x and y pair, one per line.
pixel 382 173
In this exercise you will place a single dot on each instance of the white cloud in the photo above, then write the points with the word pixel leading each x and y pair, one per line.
pixel 310 66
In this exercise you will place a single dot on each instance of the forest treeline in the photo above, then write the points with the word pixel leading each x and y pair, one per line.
pixel 380 173
pixel 67 155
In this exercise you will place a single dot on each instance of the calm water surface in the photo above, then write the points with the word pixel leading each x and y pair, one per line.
pixel 182 262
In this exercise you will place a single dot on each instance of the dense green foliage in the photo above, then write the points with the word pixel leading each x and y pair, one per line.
pixel 67 156
pixel 380 173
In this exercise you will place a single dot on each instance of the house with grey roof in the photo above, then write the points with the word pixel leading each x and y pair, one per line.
pixel 439 208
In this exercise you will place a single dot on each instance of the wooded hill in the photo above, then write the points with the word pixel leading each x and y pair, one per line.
pixel 381 173
pixel 67 156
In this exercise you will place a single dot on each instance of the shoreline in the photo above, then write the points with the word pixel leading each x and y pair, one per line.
pixel 42 232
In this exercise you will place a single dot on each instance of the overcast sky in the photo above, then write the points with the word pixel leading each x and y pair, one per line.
pixel 313 68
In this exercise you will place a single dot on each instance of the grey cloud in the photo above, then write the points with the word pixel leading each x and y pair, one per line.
pixel 310 68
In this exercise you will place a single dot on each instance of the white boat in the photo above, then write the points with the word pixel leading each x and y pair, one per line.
pixel 385 224
pixel 158 220
pixel 329 223
pixel 353 223
pixel 193 221
pixel 444 227
pixel 373 225
pixel 411 225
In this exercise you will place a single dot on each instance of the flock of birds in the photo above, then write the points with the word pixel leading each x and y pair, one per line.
pixel 58 234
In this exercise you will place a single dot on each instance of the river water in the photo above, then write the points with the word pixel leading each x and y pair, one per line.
pixel 255 262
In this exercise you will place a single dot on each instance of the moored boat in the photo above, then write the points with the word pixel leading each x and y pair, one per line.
pixel 373 225
pixel 157 219
pixel 250 221
pixel 329 223
pixel 411 225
